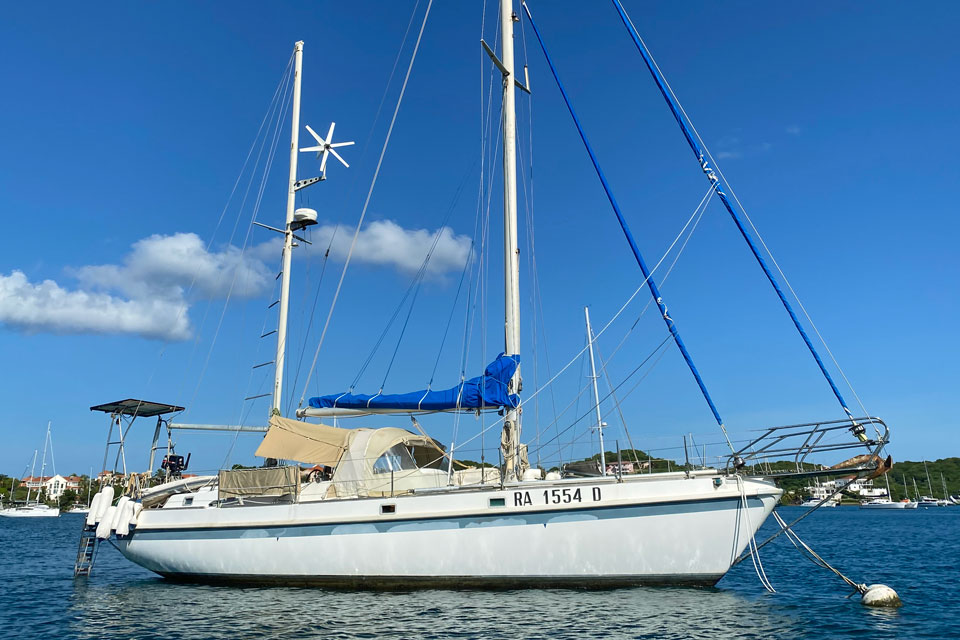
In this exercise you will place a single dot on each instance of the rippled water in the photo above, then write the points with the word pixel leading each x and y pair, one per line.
pixel 912 551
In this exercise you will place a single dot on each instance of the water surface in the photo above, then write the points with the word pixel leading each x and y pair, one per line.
pixel 912 551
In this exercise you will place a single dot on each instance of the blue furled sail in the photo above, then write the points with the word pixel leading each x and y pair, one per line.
pixel 489 391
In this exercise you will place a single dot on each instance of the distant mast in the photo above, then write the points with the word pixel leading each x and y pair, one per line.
pixel 510 439
pixel 288 234
pixel 596 394
pixel 43 463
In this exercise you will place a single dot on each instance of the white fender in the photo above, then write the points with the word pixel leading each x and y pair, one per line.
pixel 92 514
pixel 137 508
pixel 123 517
pixel 106 499
pixel 118 514
pixel 103 529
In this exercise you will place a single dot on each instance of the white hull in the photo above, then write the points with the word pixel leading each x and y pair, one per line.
pixel 888 505
pixel 29 512
pixel 645 530
pixel 816 503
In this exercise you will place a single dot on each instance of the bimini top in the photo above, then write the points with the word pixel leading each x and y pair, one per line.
pixel 489 391
pixel 131 407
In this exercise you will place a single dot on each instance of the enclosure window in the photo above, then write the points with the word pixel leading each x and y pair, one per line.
pixel 396 458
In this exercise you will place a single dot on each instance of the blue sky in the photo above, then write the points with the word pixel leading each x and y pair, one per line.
pixel 125 125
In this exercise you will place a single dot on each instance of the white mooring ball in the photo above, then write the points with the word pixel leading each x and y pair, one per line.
pixel 880 595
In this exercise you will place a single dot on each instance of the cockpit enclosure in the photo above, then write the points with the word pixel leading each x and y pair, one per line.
pixel 365 462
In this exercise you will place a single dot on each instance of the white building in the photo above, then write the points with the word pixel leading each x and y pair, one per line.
pixel 53 486
pixel 862 488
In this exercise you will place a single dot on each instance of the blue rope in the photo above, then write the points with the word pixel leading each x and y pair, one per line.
pixel 721 191
pixel 654 291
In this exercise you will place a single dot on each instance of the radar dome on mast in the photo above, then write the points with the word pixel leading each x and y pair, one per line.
pixel 303 217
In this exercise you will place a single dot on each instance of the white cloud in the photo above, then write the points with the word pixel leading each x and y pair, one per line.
pixel 731 148
pixel 48 307
pixel 165 266
pixel 146 294
pixel 386 243
pixel 149 293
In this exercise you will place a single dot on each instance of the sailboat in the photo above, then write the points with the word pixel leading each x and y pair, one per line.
pixel 84 508
pixel 820 496
pixel 929 501
pixel 35 508
pixel 386 508
pixel 887 502
pixel 948 500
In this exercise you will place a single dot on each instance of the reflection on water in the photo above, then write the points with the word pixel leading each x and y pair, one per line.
pixel 136 609
pixel 214 612
pixel 911 551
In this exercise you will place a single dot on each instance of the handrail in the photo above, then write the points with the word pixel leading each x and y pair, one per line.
pixel 778 442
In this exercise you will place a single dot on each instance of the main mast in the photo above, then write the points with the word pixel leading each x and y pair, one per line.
pixel 510 437
pixel 288 233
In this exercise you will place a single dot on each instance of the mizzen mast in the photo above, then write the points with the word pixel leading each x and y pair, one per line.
pixel 288 233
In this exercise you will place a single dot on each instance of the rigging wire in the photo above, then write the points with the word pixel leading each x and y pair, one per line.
pixel 694 218
pixel 256 208
pixel 597 334
pixel 674 105
pixel 412 290
pixel 363 155
pixel 671 326
pixel 313 309
pixel 453 308
pixel 481 228
pixel 592 407
pixel 754 549
pixel 366 203
pixel 616 402
pixel 266 116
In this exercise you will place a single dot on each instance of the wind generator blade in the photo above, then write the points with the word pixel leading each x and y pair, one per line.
pixel 330 133
pixel 319 140
pixel 323 162
pixel 337 155
pixel 317 149
pixel 342 144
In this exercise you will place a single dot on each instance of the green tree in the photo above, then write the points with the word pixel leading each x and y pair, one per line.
pixel 67 499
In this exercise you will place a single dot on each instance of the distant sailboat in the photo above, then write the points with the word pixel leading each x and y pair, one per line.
pixel 35 509
pixel 84 508
pixel 929 501
pixel 887 502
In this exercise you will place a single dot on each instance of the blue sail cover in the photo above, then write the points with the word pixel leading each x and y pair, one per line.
pixel 488 391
